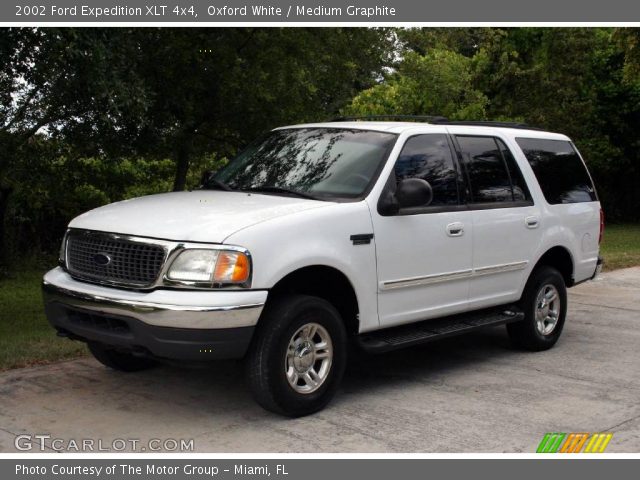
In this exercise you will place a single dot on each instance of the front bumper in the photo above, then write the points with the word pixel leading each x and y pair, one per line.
pixel 171 324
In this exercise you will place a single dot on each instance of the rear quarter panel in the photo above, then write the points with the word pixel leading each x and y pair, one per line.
pixel 574 226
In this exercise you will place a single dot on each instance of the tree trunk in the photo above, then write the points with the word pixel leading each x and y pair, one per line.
pixel 5 192
pixel 182 167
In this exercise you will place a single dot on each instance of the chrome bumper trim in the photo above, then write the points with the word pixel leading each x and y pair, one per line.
pixel 164 315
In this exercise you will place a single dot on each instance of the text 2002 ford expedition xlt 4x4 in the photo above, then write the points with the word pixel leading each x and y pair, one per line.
pixel 387 233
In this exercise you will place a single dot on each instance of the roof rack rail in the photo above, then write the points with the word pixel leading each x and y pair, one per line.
pixel 410 118
pixel 438 120
pixel 488 123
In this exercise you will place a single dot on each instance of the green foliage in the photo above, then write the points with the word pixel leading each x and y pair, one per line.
pixel 62 188
pixel 87 100
pixel 25 335
pixel 72 85
pixel 621 246
pixel 544 75
pixel 571 80
pixel 629 41
pixel 92 115
pixel 463 40
pixel 213 90
pixel 436 83
pixel 579 81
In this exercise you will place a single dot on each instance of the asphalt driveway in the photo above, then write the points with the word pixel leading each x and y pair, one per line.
pixel 467 394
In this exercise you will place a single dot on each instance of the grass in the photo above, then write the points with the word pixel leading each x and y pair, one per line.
pixel 26 338
pixel 621 246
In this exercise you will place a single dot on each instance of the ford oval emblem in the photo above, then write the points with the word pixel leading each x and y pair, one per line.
pixel 102 259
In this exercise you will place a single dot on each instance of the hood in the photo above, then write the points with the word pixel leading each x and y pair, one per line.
pixel 198 216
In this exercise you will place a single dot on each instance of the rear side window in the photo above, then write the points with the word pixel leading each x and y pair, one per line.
pixel 488 175
pixel 429 157
pixel 561 174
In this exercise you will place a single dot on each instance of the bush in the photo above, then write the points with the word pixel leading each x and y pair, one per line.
pixel 60 189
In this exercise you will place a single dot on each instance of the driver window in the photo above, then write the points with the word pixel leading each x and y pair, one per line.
pixel 429 157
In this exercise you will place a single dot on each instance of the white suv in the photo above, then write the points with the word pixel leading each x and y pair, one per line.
pixel 390 234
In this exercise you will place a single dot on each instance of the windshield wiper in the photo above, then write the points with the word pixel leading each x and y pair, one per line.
pixel 212 182
pixel 288 191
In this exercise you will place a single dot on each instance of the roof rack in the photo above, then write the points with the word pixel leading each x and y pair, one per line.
pixel 488 123
pixel 437 120
pixel 410 118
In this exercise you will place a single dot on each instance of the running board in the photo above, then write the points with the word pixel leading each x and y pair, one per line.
pixel 402 336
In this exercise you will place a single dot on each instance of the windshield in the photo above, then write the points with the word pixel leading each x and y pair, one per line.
pixel 313 162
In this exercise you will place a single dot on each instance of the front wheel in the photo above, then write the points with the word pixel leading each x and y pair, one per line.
pixel 544 303
pixel 298 356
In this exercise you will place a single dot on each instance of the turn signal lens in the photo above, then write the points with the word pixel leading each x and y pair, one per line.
pixel 231 267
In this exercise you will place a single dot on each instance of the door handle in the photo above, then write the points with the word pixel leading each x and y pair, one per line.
pixel 532 222
pixel 455 229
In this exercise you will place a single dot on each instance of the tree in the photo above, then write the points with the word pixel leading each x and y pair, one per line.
pixel 58 83
pixel 542 75
pixel 185 94
pixel 436 83
pixel 576 81
pixel 629 41
pixel 213 90
pixel 583 82
pixel 466 41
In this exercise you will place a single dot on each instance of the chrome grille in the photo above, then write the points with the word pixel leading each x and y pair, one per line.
pixel 129 263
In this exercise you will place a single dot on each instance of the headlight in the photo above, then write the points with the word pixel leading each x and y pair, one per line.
pixel 210 266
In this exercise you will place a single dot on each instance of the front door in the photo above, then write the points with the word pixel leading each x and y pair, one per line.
pixel 424 253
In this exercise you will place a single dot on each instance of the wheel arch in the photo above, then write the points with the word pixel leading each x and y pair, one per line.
pixel 325 282
pixel 560 258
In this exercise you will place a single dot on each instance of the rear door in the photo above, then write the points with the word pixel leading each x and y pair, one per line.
pixel 506 222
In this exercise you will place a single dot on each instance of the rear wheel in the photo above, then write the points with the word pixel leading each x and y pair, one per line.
pixel 544 303
pixel 298 356
pixel 121 361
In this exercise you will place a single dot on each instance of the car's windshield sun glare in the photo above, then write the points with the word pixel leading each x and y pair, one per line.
pixel 310 162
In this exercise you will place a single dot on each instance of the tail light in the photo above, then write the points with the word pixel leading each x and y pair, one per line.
pixel 601 227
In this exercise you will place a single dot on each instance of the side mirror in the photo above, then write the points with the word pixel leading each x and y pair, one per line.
pixel 388 204
pixel 414 192
pixel 206 176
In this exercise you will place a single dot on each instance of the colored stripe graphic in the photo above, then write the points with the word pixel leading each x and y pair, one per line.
pixel 581 442
pixel 574 442
pixel 550 442
pixel 598 442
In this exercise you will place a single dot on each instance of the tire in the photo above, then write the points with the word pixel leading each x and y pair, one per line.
pixel 123 362
pixel 276 373
pixel 544 293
